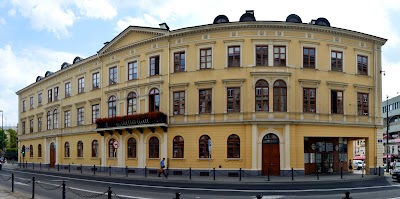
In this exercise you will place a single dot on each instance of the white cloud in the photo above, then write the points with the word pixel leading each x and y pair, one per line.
pixel 101 9
pixel 147 20
pixel 20 69
pixel 57 16
pixel 2 21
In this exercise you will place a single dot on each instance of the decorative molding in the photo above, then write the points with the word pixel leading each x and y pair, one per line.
pixel 309 83
pixel 309 42
pixel 271 40
pixel 233 80
pixel 179 47
pixel 80 104
pixel 179 85
pixel 205 82
pixel 362 88
pixel 233 40
pixel 206 43
pixel 336 46
pixel 154 51
pixel 336 85
pixel 271 74
pixel 362 51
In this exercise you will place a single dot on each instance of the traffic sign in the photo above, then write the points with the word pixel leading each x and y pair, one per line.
pixel 27 149
pixel 115 144
pixel 209 145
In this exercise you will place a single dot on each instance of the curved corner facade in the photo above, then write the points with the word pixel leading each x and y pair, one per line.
pixel 271 96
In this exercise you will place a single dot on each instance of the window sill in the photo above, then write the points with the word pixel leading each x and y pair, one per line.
pixel 182 159
pixel 39 158
pixel 79 158
pixel 337 71
pixel 95 158
pixel 66 157
pixel 131 158
pixel 233 159
pixel 204 159
pixel 153 158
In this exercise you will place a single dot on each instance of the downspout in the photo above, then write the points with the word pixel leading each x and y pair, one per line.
pixel 103 151
pixel 377 76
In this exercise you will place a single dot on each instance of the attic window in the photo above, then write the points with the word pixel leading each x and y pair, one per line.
pixel 293 18
pixel 64 65
pixel 48 73
pixel 38 78
pixel 247 17
pixel 322 22
pixel 221 19
pixel 76 60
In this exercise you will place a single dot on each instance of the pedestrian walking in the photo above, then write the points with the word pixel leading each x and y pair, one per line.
pixel 161 170
pixel 350 166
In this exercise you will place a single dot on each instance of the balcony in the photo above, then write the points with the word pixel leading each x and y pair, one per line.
pixel 148 120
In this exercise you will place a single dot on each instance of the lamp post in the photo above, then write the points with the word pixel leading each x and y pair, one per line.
pixel 387 133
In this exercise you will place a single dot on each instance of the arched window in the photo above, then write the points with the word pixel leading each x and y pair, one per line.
pixel 233 144
pixel 154 100
pixel 49 120
pixel 262 96
pixel 80 149
pixel 131 103
pixel 270 139
pixel 95 149
pixel 55 119
pixel 31 151
pixel 112 152
pixel 154 147
pixel 203 146
pixel 280 96
pixel 66 150
pixel 112 106
pixel 132 148
pixel 39 150
pixel 178 147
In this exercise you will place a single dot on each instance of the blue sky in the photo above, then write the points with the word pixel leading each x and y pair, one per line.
pixel 39 35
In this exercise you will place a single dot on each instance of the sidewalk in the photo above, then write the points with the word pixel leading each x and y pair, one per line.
pixel 219 178
pixel 6 193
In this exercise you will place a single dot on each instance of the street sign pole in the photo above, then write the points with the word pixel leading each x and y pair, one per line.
pixel 209 157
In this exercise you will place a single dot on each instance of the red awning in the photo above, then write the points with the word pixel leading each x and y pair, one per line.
pixel 361 157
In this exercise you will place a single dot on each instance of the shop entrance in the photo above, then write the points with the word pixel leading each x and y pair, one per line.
pixel 52 155
pixel 270 155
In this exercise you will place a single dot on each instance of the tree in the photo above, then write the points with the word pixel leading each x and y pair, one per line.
pixel 13 138
pixel 3 139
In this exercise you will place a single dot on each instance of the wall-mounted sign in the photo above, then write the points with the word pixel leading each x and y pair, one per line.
pixel 313 146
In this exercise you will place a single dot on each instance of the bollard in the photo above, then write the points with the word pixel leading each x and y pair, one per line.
pixel 126 171
pixel 259 196
pixel 145 171
pixel 341 172
pixel 214 173
pixel 81 168
pixel 190 172
pixel 69 168
pixel 109 169
pixel 362 172
pixel 240 174
pixel 177 195
pixel 268 174
pixel 379 170
pixel 292 173
pixel 33 187
pixel 317 175
pixel 58 167
pixel 94 169
pixel 347 195
pixel 63 190
pixel 12 182
pixel 109 192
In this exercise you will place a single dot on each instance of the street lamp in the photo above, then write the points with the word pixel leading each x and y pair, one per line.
pixel 387 133
pixel 2 131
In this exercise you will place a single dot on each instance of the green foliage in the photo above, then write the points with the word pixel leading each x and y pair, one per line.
pixel 3 139
pixel 13 138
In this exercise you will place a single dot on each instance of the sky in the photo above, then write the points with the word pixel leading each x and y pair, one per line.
pixel 39 35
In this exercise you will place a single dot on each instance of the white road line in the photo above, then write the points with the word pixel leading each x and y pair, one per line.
pixel 96 192
pixel 217 190
pixel 20 183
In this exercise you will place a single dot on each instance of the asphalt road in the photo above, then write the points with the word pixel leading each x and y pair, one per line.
pixel 49 186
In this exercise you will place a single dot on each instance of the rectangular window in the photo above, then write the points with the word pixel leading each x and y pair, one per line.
pixel 362 103
pixel 50 95
pixel 233 99
pixel 67 89
pixel 309 100
pixel 67 119
pixel 205 58
pixel 261 55
pixel 113 73
pixel 23 127
pixel 279 55
pixel 23 106
pixel 39 99
pixel 308 57
pixel 81 115
pixel 31 126
pixel 179 103
pixel 81 85
pixel 179 62
pixel 96 80
pixel 337 61
pixel 56 93
pixel 39 124
pixel 234 56
pixel 154 65
pixel 31 102
pixel 362 65
pixel 205 99
pixel 132 70
pixel 337 102
pixel 95 112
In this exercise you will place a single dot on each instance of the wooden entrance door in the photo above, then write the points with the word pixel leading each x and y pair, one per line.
pixel 270 155
pixel 52 155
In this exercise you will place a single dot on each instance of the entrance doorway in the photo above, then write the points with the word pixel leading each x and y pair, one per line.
pixel 270 155
pixel 52 155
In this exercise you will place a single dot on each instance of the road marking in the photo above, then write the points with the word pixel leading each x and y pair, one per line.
pixel 20 183
pixel 59 180
pixel 96 192
pixel 271 197
pixel 217 190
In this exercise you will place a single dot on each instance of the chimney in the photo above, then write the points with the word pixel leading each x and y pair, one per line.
pixel 164 26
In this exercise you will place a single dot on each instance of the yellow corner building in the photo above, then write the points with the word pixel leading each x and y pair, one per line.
pixel 262 96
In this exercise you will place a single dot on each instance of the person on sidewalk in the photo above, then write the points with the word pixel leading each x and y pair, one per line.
pixel 161 170
pixel 350 166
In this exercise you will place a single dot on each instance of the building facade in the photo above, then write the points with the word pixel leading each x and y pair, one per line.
pixel 258 95
pixel 391 110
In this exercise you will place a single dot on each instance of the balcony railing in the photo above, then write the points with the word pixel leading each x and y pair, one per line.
pixel 132 120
